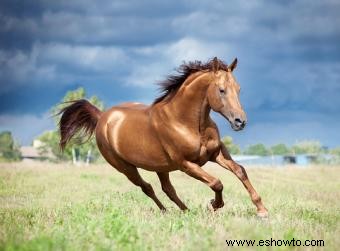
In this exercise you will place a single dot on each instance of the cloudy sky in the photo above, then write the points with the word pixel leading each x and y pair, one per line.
pixel 288 51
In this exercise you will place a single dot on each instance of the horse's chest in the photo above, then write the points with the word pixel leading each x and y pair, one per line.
pixel 209 145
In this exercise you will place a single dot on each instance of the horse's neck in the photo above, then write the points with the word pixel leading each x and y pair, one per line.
pixel 190 105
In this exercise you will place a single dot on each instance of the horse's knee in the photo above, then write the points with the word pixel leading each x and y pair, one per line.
pixel 167 189
pixel 241 173
pixel 216 185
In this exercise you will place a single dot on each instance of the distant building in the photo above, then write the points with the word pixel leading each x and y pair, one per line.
pixel 32 153
pixel 300 159
pixel 29 153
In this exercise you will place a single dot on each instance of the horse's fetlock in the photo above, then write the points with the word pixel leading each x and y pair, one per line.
pixel 256 198
pixel 217 185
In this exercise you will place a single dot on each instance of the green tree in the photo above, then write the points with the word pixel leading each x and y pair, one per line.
pixel 257 149
pixel 232 148
pixel 9 150
pixel 336 155
pixel 50 139
pixel 335 151
pixel 307 146
pixel 279 149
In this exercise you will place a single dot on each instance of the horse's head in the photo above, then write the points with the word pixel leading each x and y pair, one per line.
pixel 223 95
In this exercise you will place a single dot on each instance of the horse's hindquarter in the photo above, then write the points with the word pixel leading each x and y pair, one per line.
pixel 130 136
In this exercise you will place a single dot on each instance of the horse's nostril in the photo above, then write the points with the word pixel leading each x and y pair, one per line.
pixel 239 123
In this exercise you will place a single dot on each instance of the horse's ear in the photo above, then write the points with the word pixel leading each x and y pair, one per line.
pixel 215 64
pixel 233 65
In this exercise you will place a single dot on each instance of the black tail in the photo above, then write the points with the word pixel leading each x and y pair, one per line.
pixel 79 115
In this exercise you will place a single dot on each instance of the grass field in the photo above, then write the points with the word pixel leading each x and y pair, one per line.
pixel 61 207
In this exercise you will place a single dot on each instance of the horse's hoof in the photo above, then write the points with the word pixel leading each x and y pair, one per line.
pixel 263 214
pixel 213 208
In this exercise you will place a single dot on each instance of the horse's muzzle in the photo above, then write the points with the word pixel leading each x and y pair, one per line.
pixel 238 124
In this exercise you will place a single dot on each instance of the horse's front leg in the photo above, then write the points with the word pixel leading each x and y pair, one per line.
pixel 215 184
pixel 224 159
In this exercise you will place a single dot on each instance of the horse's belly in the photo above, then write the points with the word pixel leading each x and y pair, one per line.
pixel 133 140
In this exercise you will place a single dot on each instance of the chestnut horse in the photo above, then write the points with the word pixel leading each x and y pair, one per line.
pixel 176 132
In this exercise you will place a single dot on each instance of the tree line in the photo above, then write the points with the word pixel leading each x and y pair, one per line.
pixel 302 147
pixel 9 149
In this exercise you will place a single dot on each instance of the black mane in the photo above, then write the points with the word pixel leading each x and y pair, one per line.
pixel 171 84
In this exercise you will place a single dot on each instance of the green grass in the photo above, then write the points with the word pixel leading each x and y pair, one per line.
pixel 61 207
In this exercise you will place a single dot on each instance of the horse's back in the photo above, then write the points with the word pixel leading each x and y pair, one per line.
pixel 127 131
pixel 134 105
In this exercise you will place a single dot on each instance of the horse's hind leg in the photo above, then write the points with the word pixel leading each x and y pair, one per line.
pixel 133 175
pixel 170 190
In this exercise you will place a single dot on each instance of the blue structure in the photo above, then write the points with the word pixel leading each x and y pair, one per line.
pixel 277 160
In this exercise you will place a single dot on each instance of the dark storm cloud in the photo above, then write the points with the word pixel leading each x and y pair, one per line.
pixel 289 58
pixel 88 22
